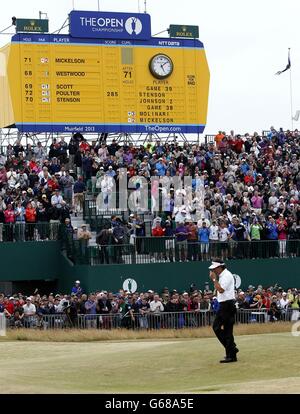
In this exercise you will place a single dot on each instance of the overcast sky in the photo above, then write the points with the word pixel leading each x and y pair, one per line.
pixel 246 43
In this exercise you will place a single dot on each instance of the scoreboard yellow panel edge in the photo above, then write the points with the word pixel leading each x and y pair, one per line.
pixel 93 84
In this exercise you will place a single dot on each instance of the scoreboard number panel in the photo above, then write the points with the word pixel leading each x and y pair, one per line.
pixel 57 85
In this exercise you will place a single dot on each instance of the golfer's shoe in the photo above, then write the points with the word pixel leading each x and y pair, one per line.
pixel 228 360
pixel 235 351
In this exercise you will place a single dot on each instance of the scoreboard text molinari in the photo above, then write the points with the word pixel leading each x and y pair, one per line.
pixel 57 83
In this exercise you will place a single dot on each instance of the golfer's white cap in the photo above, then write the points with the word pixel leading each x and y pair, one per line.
pixel 214 265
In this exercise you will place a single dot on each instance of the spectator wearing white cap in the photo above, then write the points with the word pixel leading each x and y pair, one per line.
pixel 29 310
pixel 77 289
pixel 107 186
pixel 156 307
pixel 180 214
pixel 110 172
pixel 284 303
pixel 224 237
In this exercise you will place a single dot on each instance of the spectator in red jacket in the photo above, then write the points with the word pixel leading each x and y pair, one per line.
pixel 9 217
pixel 158 231
pixel 84 146
pixel 238 145
pixel 30 216
pixel 282 234
pixel 249 179
pixel 9 214
pixel 9 306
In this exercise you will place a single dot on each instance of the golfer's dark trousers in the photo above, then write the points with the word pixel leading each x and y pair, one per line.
pixel 223 326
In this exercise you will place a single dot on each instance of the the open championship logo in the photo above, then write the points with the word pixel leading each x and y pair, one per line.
pixel 237 281
pixel 133 26
pixel 130 285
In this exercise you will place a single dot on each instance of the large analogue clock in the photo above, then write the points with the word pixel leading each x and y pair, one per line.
pixel 161 66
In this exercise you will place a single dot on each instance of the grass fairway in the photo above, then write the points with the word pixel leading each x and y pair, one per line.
pixel 268 363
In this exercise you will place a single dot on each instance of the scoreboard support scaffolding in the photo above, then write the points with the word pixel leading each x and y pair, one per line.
pixel 11 135
pixel 142 139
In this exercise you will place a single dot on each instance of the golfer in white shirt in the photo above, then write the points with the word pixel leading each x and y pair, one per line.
pixel 223 281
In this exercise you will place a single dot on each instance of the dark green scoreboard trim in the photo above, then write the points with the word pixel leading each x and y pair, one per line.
pixel 191 32
pixel 32 25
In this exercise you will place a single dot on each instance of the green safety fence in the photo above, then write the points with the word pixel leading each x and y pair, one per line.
pixel 143 250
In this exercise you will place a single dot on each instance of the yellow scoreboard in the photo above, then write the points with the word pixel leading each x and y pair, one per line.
pixel 56 83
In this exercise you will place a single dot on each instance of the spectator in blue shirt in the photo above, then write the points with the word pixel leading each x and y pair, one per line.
pixel 87 162
pixel 79 186
pixel 77 289
pixel 78 190
pixel 203 237
pixel 272 236
pixel 161 167
pixel 159 149
pixel 244 167
pixel 231 230
pixel 272 230
pixel 110 172
pixel 171 168
pixel 197 183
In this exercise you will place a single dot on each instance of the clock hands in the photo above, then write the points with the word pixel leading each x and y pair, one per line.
pixel 162 66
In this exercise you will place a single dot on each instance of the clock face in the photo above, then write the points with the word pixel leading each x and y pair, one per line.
pixel 161 66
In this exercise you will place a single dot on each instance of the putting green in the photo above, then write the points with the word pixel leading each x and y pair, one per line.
pixel 268 363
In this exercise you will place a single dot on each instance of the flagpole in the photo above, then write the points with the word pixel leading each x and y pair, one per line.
pixel 291 92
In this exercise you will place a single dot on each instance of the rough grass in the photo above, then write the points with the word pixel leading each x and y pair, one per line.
pixel 91 335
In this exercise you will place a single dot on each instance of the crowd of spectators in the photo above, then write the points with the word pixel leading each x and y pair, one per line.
pixel 102 309
pixel 36 189
pixel 250 194
pixel 250 183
